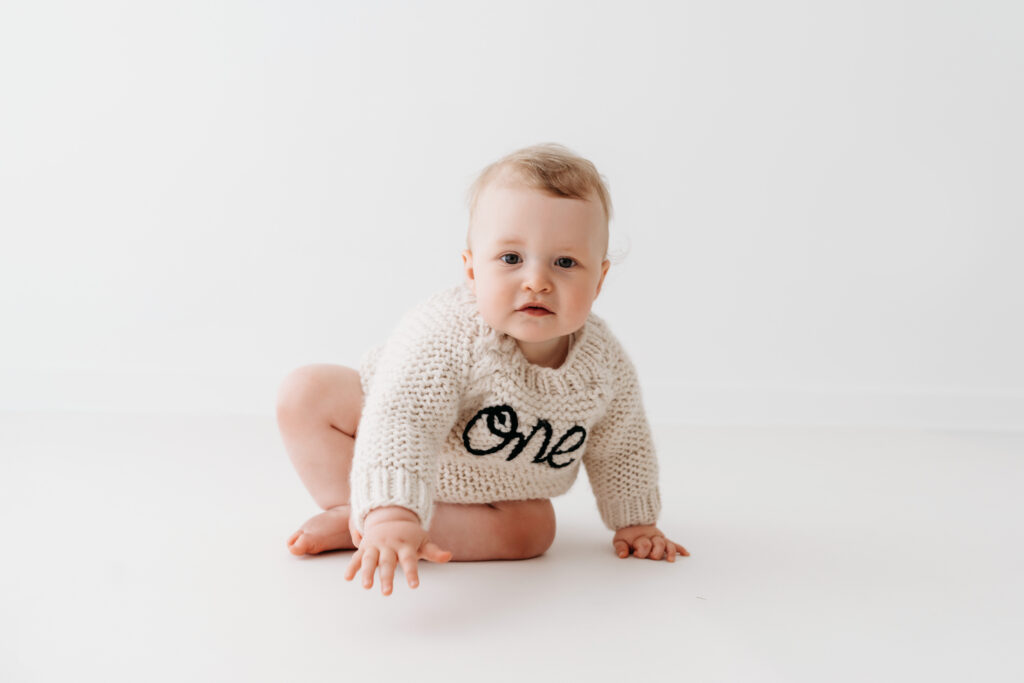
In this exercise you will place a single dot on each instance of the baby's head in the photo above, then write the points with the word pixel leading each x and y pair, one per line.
pixel 538 234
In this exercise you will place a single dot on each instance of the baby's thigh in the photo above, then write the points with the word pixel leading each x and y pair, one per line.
pixel 322 393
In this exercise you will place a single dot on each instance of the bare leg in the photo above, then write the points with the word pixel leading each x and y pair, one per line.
pixel 318 410
pixel 506 530
pixel 318 413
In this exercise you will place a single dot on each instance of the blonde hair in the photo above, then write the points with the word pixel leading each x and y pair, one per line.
pixel 550 168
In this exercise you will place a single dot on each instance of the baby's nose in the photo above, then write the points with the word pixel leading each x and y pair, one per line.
pixel 536 279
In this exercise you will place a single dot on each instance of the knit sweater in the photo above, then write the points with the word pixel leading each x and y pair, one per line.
pixel 454 412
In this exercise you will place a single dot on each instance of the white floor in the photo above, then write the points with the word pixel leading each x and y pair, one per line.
pixel 153 548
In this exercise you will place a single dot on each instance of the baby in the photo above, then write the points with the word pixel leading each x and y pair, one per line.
pixel 451 438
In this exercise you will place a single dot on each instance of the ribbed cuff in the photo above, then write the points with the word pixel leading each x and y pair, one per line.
pixel 383 487
pixel 635 511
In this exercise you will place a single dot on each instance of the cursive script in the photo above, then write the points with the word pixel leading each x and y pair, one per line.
pixel 503 422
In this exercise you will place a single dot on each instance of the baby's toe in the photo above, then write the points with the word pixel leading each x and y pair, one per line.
pixel 301 544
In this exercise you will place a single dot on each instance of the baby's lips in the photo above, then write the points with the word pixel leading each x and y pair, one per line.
pixel 535 305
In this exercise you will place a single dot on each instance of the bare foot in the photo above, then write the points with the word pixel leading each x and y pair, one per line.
pixel 326 531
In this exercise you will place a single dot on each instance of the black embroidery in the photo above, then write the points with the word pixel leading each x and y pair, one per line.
pixel 503 422
pixel 557 449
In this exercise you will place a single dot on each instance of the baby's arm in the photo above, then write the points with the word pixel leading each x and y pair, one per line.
pixel 621 464
pixel 409 408
pixel 393 535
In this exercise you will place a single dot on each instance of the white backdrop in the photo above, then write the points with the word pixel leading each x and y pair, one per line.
pixel 818 205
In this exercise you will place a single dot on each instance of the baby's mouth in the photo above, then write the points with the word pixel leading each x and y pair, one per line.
pixel 535 310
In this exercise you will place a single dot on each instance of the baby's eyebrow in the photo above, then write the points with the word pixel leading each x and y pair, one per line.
pixel 564 247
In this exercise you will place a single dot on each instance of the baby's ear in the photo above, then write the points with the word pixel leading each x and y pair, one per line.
pixel 604 271
pixel 467 264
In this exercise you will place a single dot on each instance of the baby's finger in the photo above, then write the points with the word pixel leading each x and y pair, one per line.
pixel 369 564
pixel 659 548
pixel 353 565
pixel 621 548
pixel 671 552
pixel 681 550
pixel 410 566
pixel 641 547
pixel 433 552
pixel 387 571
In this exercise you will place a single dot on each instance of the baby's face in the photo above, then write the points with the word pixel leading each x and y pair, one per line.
pixel 531 248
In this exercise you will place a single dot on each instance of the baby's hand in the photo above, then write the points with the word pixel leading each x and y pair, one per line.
pixel 646 541
pixel 393 534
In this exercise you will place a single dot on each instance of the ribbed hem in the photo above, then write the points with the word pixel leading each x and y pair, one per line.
pixel 623 512
pixel 384 487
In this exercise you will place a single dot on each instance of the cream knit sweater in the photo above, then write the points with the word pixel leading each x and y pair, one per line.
pixel 455 413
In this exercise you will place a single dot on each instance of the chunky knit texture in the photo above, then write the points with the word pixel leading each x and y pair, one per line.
pixel 455 413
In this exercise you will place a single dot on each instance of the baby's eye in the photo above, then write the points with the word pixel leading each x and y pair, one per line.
pixel 565 262
pixel 514 257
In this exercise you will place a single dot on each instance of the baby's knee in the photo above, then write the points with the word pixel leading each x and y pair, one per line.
pixel 300 391
pixel 537 531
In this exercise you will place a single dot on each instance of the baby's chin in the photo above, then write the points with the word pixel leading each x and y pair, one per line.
pixel 533 330
pixel 523 332
pixel 539 334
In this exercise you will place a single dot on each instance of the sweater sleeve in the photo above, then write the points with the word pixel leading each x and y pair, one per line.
pixel 410 407
pixel 620 459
